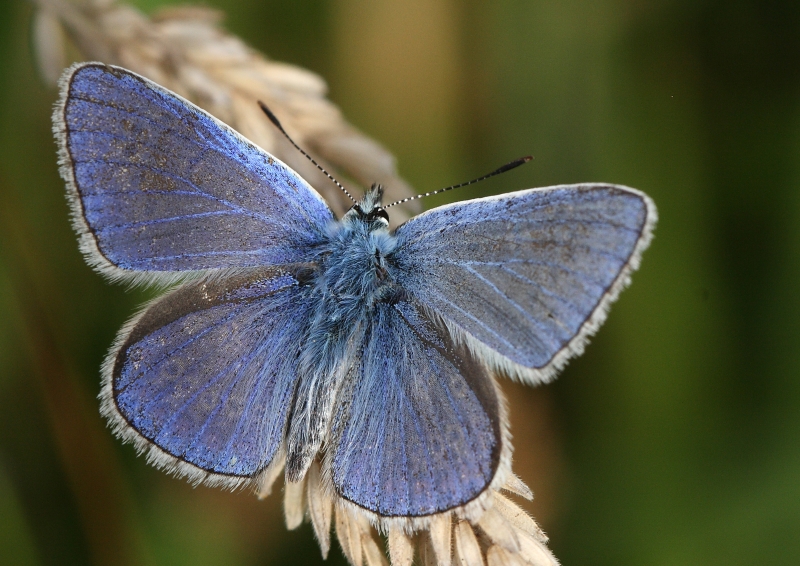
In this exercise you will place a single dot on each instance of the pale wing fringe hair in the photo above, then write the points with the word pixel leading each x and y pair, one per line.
pixel 186 50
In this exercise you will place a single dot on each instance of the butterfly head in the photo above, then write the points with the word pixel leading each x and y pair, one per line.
pixel 369 210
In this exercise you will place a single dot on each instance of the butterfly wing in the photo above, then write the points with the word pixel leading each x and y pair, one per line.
pixel 159 186
pixel 525 278
pixel 204 376
pixel 419 424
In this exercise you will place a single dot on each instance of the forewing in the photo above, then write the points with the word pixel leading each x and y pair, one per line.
pixel 419 426
pixel 158 185
pixel 526 277
pixel 206 374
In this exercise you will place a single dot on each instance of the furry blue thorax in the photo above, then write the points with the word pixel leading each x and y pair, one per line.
pixel 354 270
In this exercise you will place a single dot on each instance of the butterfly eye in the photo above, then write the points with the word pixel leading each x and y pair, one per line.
pixel 378 213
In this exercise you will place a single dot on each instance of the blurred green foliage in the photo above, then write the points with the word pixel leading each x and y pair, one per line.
pixel 674 440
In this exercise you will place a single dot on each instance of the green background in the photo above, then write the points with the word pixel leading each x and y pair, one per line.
pixel 674 440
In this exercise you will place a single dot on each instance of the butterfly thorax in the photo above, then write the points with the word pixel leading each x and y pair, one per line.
pixel 354 274
pixel 356 268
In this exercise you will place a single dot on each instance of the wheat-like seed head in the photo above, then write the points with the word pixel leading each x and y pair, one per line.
pixel 186 50
pixel 504 535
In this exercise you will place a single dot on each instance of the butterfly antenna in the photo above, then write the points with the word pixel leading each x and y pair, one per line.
pixel 275 121
pixel 503 169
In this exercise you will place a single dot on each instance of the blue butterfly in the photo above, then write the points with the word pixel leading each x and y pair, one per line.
pixel 297 338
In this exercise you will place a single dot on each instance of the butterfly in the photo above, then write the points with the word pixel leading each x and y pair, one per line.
pixel 291 338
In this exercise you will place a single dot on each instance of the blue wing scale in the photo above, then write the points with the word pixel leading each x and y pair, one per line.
pixel 419 428
pixel 526 277
pixel 222 202
pixel 207 373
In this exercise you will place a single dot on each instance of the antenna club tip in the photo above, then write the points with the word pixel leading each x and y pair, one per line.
pixel 270 115
pixel 527 158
